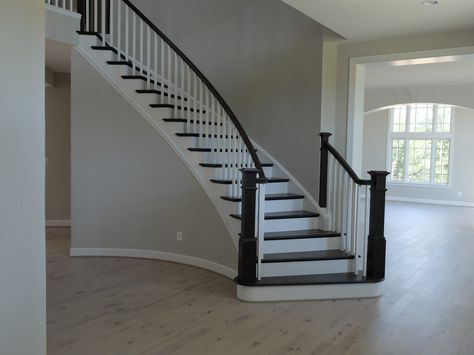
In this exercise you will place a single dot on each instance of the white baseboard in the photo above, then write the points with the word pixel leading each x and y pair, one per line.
pixel 58 223
pixel 156 255
pixel 431 202
pixel 308 292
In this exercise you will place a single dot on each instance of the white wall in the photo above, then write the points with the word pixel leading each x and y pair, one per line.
pixel 22 237
pixel 58 149
pixel 130 190
pixel 375 157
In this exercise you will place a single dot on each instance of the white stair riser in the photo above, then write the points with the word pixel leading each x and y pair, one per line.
pixel 277 206
pixel 276 188
pixel 306 267
pixel 290 224
pixel 293 245
pixel 88 41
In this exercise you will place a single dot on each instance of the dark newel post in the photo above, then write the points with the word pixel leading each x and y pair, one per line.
pixel 323 170
pixel 247 241
pixel 376 241
pixel 81 8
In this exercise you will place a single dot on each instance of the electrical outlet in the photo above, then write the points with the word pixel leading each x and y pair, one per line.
pixel 179 236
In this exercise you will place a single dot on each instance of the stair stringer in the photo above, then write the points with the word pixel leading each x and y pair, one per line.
pixel 296 187
pixel 190 159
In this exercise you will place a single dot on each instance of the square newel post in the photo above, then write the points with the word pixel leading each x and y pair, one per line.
pixel 323 170
pixel 376 240
pixel 248 242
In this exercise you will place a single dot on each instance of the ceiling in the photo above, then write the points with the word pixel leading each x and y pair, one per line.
pixel 458 71
pixel 375 19
pixel 58 56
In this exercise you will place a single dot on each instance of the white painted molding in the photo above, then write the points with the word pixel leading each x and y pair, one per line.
pixel 429 201
pixel 309 292
pixel 58 223
pixel 156 255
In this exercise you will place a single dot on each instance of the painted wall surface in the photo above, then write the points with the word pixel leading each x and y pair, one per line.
pixel 265 58
pixel 375 157
pixel 22 236
pixel 129 188
pixel 413 43
pixel 58 149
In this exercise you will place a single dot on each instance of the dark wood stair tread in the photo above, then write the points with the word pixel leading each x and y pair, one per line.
pixel 283 215
pixel 158 92
pixel 300 234
pixel 213 165
pixel 315 255
pixel 270 180
pixel 142 77
pixel 120 62
pixel 268 197
pixel 182 108
pixel 322 279
pixel 184 120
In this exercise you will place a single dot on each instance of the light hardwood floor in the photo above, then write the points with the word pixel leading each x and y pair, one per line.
pixel 130 306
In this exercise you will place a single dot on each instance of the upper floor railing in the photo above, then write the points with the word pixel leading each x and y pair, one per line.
pixel 168 71
pixel 69 5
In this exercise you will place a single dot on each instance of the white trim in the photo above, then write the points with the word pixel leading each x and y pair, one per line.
pixel 62 11
pixel 58 223
pixel 430 201
pixel 308 292
pixel 156 255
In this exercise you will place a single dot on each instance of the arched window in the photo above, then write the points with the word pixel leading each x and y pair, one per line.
pixel 420 143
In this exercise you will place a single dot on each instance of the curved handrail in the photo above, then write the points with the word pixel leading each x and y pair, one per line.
pixel 220 99
pixel 346 165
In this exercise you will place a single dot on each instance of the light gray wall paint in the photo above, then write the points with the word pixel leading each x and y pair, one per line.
pixel 22 237
pixel 129 188
pixel 412 43
pixel 375 157
pixel 265 58
pixel 459 95
pixel 58 149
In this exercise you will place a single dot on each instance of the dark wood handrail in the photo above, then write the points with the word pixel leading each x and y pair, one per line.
pixel 220 99
pixel 346 165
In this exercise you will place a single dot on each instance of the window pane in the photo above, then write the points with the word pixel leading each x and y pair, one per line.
pixel 419 160
pixel 421 118
pixel 442 161
pixel 443 121
pixel 398 160
pixel 399 118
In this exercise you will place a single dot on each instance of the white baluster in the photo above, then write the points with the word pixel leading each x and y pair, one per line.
pixel 148 56
pixel 162 69
pixel 96 27
pixel 102 22
pixel 260 218
pixel 119 28
pixel 355 226
pixel 87 16
pixel 111 25
pixel 133 41
pixel 142 59
pixel 366 226
pixel 155 61
pixel 127 34
pixel 201 114
pixel 176 82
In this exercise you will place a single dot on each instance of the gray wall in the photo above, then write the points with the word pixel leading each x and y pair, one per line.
pixel 375 158
pixel 58 149
pixel 265 58
pixel 129 188
pixel 22 237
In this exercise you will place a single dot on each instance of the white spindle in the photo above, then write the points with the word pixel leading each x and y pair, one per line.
pixel 102 21
pixel 366 226
pixel 148 57
pixel 96 27
pixel 176 82
pixel 133 41
pixel 155 62
pixel 127 34
pixel 87 16
pixel 141 59
pixel 119 27
pixel 201 114
pixel 111 24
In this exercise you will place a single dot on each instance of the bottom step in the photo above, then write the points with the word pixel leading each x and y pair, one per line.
pixel 310 287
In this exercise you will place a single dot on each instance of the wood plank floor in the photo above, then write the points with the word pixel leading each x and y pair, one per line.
pixel 130 306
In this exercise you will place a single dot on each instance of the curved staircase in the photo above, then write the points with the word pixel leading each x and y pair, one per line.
pixel 290 247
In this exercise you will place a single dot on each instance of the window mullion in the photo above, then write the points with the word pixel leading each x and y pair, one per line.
pixel 433 158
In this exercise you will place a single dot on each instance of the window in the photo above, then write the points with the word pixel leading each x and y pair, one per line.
pixel 420 143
